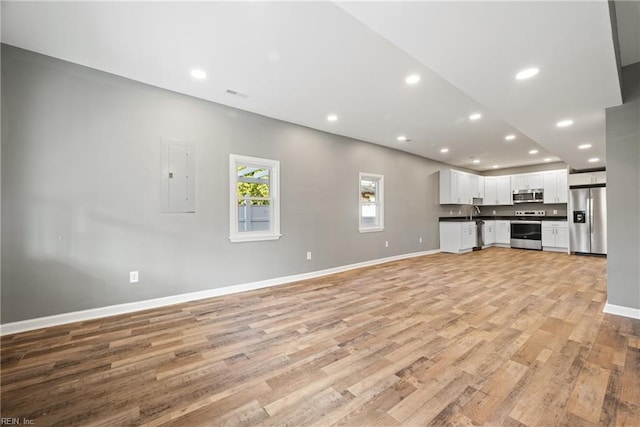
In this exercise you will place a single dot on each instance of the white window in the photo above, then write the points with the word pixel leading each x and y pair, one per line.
pixel 371 202
pixel 254 199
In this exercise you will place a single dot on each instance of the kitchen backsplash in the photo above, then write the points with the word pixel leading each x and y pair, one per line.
pixel 550 209
pixel 458 210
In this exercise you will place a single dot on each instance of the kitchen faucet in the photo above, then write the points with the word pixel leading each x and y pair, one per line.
pixel 476 208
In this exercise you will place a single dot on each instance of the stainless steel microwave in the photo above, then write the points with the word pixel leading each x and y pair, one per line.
pixel 528 196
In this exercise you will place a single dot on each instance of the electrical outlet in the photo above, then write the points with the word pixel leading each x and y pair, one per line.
pixel 451 212
pixel 459 212
pixel 308 255
pixel 386 244
pixel 555 212
pixel 419 239
pixel 494 212
pixel 134 277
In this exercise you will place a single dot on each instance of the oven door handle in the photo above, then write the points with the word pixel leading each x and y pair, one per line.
pixel 526 222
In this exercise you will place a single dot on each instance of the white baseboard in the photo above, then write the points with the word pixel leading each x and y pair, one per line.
pixel 554 249
pixel 112 310
pixel 621 310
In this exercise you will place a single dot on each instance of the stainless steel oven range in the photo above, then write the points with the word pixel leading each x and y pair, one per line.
pixel 526 233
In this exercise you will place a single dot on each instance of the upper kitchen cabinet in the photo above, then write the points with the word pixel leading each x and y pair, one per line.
pixel 526 181
pixel 504 190
pixel 588 178
pixel 555 186
pixel 452 187
pixel 490 190
pixel 460 188
pixel 476 187
pixel 497 190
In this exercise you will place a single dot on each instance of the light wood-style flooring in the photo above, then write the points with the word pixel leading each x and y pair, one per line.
pixel 496 337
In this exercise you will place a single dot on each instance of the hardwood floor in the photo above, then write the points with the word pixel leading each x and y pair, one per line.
pixel 495 337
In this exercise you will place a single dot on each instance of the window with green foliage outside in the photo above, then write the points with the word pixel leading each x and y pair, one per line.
pixel 254 187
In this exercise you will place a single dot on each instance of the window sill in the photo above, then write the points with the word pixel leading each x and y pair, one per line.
pixel 370 229
pixel 254 238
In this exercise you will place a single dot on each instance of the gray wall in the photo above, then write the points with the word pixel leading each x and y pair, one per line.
pixel 80 190
pixel 623 194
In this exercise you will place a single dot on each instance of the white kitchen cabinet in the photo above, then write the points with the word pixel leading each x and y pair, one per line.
pixel 535 180
pixel 457 237
pixel 555 236
pixel 451 187
pixel 489 233
pixel 588 178
pixel 555 186
pixel 504 190
pixel 526 181
pixel 563 186
pixel 476 187
pixel 480 187
pixel 562 237
pixel 503 232
pixel 497 190
pixel 519 182
pixel 490 191
pixel 464 188
pixel 468 235
pixel 459 188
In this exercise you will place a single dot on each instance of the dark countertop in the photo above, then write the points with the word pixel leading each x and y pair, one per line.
pixel 501 218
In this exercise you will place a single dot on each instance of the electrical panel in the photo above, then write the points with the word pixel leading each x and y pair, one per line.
pixel 177 176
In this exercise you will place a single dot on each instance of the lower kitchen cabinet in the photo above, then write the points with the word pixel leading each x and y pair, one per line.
pixel 489 233
pixel 457 237
pixel 503 233
pixel 555 236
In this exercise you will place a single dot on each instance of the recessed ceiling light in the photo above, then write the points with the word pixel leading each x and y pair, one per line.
pixel 527 73
pixel 198 74
pixel 510 137
pixel 332 117
pixel 402 138
pixel 475 116
pixel 444 150
pixel 564 123
pixel 533 151
pixel 594 159
pixel 584 146
pixel 412 79
pixel 547 159
pixel 476 161
pixel 495 166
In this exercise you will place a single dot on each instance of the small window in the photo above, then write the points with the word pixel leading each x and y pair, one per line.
pixel 371 202
pixel 255 204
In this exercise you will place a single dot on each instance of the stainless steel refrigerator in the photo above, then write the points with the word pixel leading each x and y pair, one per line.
pixel 588 220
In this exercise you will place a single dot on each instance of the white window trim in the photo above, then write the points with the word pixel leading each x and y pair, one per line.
pixel 379 195
pixel 274 190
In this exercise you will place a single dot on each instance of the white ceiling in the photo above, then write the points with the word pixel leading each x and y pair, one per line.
pixel 299 62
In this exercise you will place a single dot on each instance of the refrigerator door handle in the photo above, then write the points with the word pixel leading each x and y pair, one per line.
pixel 590 207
